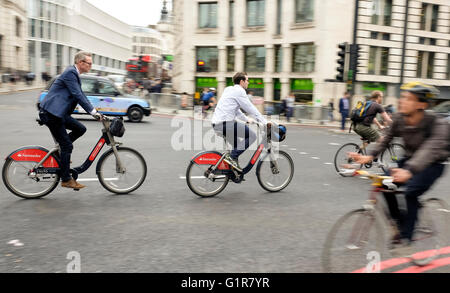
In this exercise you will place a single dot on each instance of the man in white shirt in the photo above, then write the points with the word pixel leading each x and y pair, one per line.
pixel 224 119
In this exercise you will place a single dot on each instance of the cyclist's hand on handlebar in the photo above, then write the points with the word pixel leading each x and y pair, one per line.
pixel 251 120
pixel 360 158
pixel 98 116
pixel 401 175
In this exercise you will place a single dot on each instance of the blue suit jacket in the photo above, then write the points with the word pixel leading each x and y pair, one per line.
pixel 64 95
pixel 341 106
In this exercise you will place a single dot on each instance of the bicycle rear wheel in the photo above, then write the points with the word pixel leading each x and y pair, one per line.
pixel 199 183
pixel 352 238
pixel 19 179
pixel 341 158
pixel 271 179
pixel 133 175
pixel 431 231
pixel 391 156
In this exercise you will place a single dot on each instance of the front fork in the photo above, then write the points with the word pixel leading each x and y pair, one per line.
pixel 120 169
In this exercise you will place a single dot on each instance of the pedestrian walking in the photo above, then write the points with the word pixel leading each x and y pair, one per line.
pixel 344 108
pixel 331 110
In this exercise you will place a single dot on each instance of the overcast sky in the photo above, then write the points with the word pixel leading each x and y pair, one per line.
pixel 133 12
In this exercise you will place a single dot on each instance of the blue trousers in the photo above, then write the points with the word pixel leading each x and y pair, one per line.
pixel 344 115
pixel 415 187
pixel 65 140
pixel 238 134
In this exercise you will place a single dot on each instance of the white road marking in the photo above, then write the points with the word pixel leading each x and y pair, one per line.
pixel 328 163
pixel 303 153
pixel 315 158
pixel 334 143
pixel 293 149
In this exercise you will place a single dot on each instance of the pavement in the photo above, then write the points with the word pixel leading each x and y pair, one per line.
pixel 7 88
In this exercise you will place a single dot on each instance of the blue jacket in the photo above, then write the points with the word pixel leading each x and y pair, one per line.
pixel 64 95
pixel 341 106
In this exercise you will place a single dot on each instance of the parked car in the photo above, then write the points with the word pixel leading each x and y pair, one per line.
pixel 443 109
pixel 107 99
pixel 118 80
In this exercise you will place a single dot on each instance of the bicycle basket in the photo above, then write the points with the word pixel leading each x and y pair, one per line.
pixel 278 133
pixel 117 128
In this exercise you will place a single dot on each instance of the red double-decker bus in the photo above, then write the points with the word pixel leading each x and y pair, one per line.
pixel 138 67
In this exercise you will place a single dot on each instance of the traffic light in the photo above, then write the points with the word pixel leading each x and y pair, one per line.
pixel 341 61
pixel 201 66
pixel 354 60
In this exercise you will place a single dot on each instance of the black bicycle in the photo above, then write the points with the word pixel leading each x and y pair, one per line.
pixel 208 174
pixel 387 160
pixel 33 171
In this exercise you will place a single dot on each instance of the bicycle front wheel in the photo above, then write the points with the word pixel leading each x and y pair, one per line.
pixel 202 182
pixel 353 243
pixel 19 179
pixel 391 156
pixel 341 158
pixel 275 177
pixel 126 180
pixel 431 231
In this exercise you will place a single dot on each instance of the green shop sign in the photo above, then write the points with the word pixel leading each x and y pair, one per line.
pixel 374 86
pixel 253 83
pixel 276 84
pixel 302 85
pixel 206 82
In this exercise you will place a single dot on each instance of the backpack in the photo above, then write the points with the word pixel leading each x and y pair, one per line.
pixel 360 111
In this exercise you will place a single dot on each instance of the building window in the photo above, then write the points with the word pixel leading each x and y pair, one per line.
pixel 448 66
pixel 41 29
pixel 425 64
pixel 33 28
pixel 59 59
pixel 429 15
pixel 230 59
pixel 303 58
pixel 45 55
pixel 304 11
pixel 279 16
pixel 278 58
pixel 207 59
pixel 32 55
pixel 427 41
pixel 378 60
pixel 207 15
pixel 18 27
pixel 231 19
pixel 255 59
pixel 381 12
pixel 255 12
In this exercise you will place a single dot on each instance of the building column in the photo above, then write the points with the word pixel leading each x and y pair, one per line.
pixel 222 66
pixel 285 87
pixel 268 89
pixel 221 84
pixel 270 58
pixel 238 58
pixel 53 60
pixel 287 58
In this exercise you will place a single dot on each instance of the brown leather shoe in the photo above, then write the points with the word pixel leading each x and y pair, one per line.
pixel 72 184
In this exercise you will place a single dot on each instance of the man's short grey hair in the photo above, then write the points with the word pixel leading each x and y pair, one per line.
pixel 80 56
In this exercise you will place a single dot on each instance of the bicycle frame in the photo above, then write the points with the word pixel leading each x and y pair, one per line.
pixel 220 169
pixel 106 138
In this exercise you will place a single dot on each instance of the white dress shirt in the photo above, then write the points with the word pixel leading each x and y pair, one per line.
pixel 94 110
pixel 229 106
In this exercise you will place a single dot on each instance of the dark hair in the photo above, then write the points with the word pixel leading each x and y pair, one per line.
pixel 375 94
pixel 238 77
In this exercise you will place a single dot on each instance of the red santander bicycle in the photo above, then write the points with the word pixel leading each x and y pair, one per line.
pixel 33 171
pixel 208 174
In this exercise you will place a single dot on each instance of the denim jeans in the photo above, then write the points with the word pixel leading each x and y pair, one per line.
pixel 344 115
pixel 415 187
pixel 65 140
pixel 238 134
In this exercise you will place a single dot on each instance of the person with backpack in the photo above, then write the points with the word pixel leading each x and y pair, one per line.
pixel 426 137
pixel 365 114
pixel 208 100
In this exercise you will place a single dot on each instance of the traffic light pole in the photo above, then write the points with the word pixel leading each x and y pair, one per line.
pixel 351 83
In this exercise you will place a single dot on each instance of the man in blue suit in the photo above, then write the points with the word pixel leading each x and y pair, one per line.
pixel 344 108
pixel 56 108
